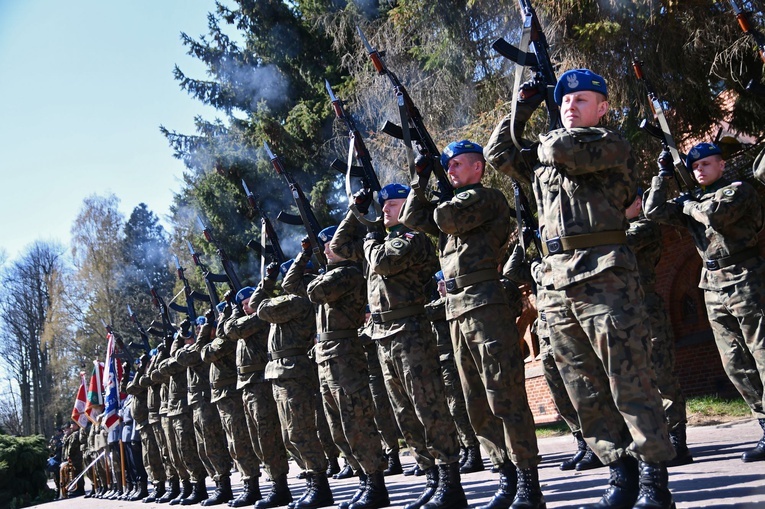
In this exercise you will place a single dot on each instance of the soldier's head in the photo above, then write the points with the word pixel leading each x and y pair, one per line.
pixel 243 299
pixel 706 162
pixel 582 96
pixel 392 198
pixel 636 206
pixel 325 236
pixel 463 162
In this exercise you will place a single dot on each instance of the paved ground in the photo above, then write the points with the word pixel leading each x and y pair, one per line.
pixel 717 479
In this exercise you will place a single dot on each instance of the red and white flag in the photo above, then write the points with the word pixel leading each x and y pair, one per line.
pixel 95 396
pixel 80 401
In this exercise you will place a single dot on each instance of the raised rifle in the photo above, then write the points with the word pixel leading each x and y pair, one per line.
pixel 412 130
pixel 164 312
pixel 306 216
pixel 141 330
pixel 228 266
pixel 190 294
pixel 759 40
pixel 210 278
pixel 358 149
pixel 274 248
pixel 118 340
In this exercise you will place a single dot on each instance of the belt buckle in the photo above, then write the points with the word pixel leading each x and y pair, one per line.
pixel 451 285
pixel 554 246
pixel 376 318
pixel 713 265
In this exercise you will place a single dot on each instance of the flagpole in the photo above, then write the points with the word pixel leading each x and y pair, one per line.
pixel 122 464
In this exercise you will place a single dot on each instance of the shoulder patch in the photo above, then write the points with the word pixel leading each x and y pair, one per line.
pixel 397 243
pixel 466 198
pixel 729 192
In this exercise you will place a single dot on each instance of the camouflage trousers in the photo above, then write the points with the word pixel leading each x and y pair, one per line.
pixel 234 424
pixel 348 404
pixel 488 355
pixel 265 433
pixel 185 437
pixel 211 440
pixel 409 362
pixel 736 314
pixel 159 436
pixel 663 360
pixel 600 338
pixel 554 381
pixel 152 461
pixel 173 448
pixel 296 404
pixel 332 446
pixel 384 418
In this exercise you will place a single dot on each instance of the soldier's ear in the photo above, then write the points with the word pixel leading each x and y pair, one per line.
pixel 602 108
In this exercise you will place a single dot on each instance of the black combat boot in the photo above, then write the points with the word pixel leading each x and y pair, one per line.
pixel 157 492
pixel 473 461
pixel 415 470
pixel 624 486
pixel 528 494
pixel 319 495
pixel 345 473
pixel 175 490
pixel 449 494
pixel 375 493
pixel 250 494
pixel 394 464
pixel 589 461
pixel 356 494
pixel 758 453
pixel 280 494
pixel 198 493
pixel 333 467
pixel 431 484
pixel 128 492
pixel 186 489
pixel 308 484
pixel 141 491
pixel 221 494
pixel 654 493
pixel 682 454
pixel 508 485
pixel 581 451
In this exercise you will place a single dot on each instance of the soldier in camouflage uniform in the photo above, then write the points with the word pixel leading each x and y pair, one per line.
pixel 473 231
pixel 292 374
pixel 724 223
pixel 210 437
pixel 583 178
pixel 251 334
pixel 152 461
pixel 644 238
pixel 340 296
pixel 399 280
pixel 220 354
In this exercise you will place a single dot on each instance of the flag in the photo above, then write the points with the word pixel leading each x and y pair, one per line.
pixel 111 381
pixel 95 396
pixel 78 412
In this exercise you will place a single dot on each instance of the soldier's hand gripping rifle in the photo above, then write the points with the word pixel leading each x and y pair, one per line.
pixel 757 36
pixel 306 216
pixel 662 132
pixel 141 330
pixel 228 266
pixel 190 294
pixel 412 130
pixel 274 249
pixel 366 172
pixel 210 279
pixel 125 353
pixel 162 309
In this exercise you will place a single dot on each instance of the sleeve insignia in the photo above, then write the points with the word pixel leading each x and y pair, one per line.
pixel 729 192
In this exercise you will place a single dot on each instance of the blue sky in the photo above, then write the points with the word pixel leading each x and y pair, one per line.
pixel 84 86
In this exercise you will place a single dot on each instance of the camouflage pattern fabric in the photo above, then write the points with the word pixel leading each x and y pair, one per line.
pixel 554 381
pixel 164 452
pixel 174 448
pixel 220 354
pixel 331 436
pixel 152 460
pixel 384 418
pixel 265 433
pixel 234 424
pixel 185 437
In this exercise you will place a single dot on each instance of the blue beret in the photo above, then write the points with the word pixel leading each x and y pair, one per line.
pixel 439 275
pixel 701 151
pixel 221 306
pixel 152 352
pixel 244 294
pixel 578 80
pixel 201 320
pixel 284 267
pixel 640 191
pixel 392 192
pixel 327 233
pixel 456 148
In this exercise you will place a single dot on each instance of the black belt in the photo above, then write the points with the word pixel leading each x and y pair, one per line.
pixel 571 242
pixel 455 284
pixel 287 352
pixel 243 370
pixel 338 334
pixel 396 314
pixel 727 261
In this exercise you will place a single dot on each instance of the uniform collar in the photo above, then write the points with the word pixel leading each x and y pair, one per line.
pixel 715 186
pixel 467 188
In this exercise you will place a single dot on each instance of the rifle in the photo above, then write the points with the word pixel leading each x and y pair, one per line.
pixel 228 266
pixel 118 340
pixel 759 40
pixel 190 294
pixel 164 313
pixel 663 133
pixel 84 471
pixel 210 279
pixel 141 330
pixel 365 172
pixel 307 218
pixel 412 130
pixel 274 249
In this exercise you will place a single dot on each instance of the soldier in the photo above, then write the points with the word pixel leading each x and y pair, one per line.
pixel 644 238
pixel 210 438
pixel 400 265
pixel 292 375
pixel 340 295
pixel 583 178
pixel 151 459
pixel 473 231
pixel 251 334
pixel 724 223
pixel 220 354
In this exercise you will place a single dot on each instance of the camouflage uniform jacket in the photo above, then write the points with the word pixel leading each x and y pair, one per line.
pixel 473 231
pixel 221 356
pixel 251 334
pixel 724 221
pixel 139 407
pixel 583 180
pixel 399 272
pixel 158 380
pixel 293 329
pixel 153 400
pixel 197 372
pixel 177 384
pixel 644 238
